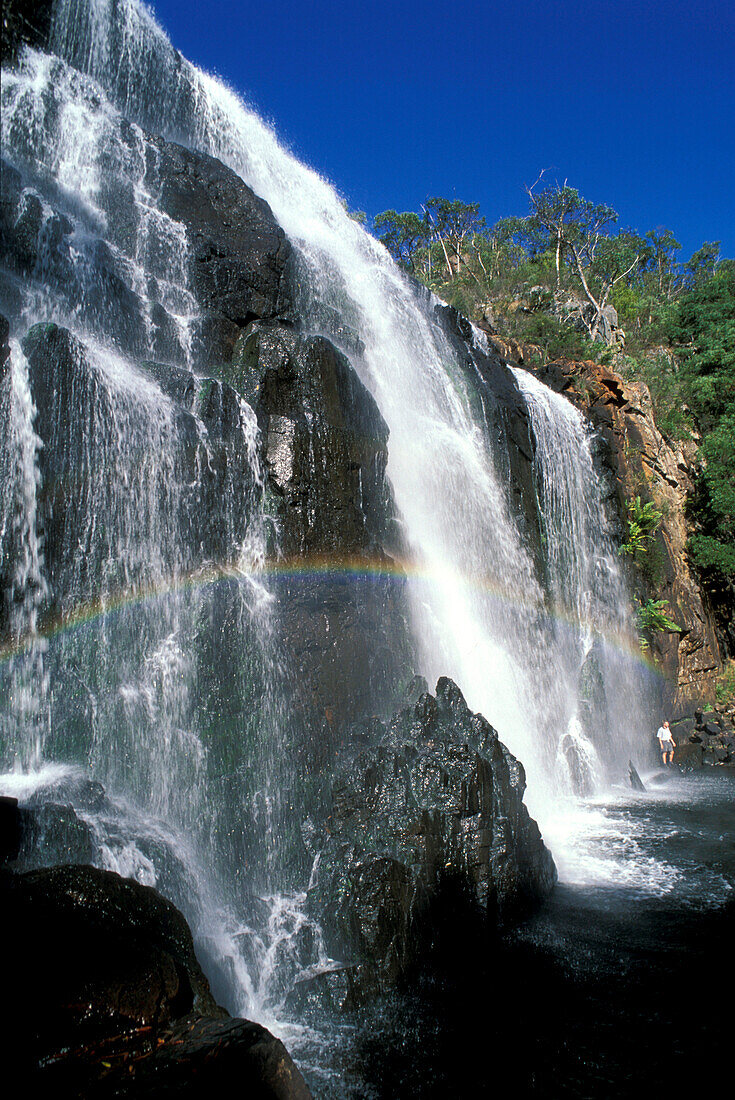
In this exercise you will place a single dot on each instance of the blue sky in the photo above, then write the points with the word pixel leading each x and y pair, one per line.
pixel 632 103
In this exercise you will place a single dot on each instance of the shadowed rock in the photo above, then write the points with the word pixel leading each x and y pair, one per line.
pixel 239 256
pixel 427 824
pixel 110 999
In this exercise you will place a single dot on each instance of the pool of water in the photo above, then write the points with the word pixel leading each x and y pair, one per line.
pixel 613 989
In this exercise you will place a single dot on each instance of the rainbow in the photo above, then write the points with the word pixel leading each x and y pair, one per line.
pixel 299 568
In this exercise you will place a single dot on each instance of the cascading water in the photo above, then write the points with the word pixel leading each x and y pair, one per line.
pixel 589 602
pixel 479 610
pixel 133 690
pixel 24 718
pixel 156 667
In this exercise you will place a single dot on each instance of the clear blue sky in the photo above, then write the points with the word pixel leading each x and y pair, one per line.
pixel 632 102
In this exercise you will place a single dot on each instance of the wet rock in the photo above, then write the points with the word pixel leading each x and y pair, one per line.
pixel 4 347
pixel 342 601
pixel 635 780
pixel 54 833
pixel 11 831
pixel 689 755
pixel 24 21
pixel 120 956
pixel 325 440
pixel 239 257
pixel 126 1009
pixel 430 815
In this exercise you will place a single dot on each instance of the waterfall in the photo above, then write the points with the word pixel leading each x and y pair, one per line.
pixel 589 603
pixel 155 608
pixel 23 721
pixel 140 642
pixel 480 608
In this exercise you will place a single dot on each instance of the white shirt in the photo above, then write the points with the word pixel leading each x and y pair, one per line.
pixel 664 734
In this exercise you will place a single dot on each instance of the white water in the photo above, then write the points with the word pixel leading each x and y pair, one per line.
pixel 515 641
pixel 479 610
pixel 24 718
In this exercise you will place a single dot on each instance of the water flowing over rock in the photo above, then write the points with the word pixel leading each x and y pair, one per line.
pixel 326 447
pixel 639 459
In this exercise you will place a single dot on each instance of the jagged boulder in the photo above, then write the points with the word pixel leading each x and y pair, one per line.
pixel 427 820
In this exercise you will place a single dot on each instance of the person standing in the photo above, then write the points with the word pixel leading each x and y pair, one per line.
pixel 666 743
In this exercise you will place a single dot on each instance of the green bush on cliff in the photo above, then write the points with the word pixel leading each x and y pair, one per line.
pixel 653 617
pixel 726 685
pixel 703 332
pixel 643 522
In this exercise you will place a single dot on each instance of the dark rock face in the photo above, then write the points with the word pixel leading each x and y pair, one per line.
pixel 26 21
pixel 325 441
pixel 127 953
pixel 125 1008
pixel 325 448
pixel 430 815
pixel 505 417
pixel 4 347
pixel 706 739
pixel 239 256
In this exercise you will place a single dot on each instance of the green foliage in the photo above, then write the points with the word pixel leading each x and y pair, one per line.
pixel 653 617
pixel 710 553
pixel 703 332
pixel 556 339
pixel 643 522
pixel 725 690
pixel 405 236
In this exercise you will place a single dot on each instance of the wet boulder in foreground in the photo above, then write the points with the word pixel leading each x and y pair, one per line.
pixel 110 999
pixel 428 835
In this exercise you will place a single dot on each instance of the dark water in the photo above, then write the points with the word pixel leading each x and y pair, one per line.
pixel 618 987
